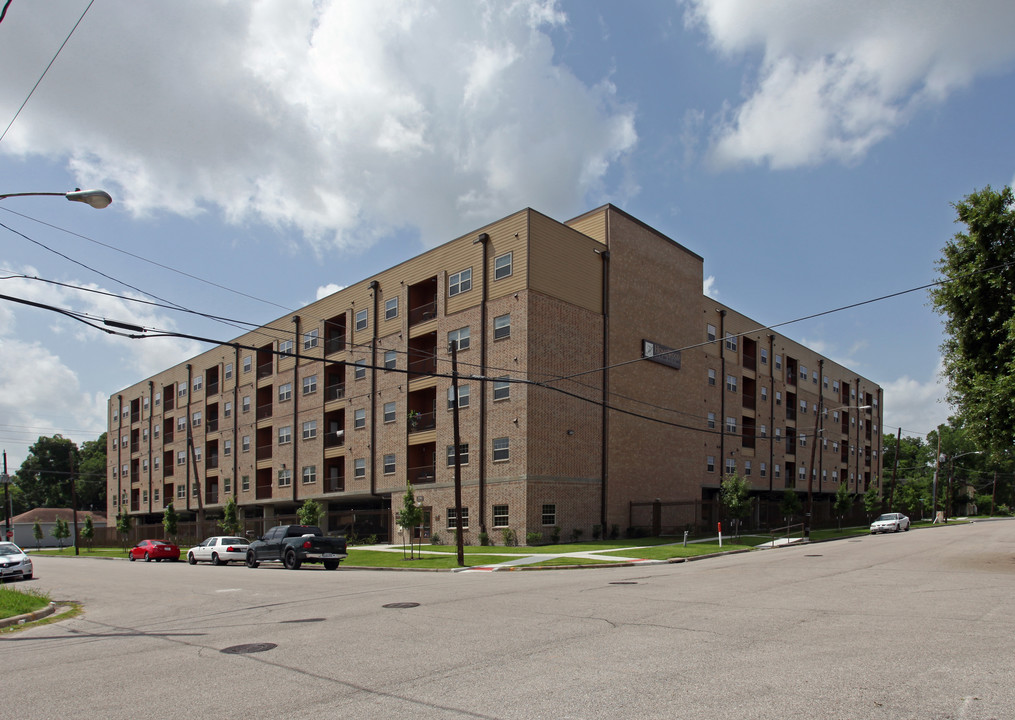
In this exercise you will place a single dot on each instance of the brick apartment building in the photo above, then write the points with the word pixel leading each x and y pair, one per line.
pixel 350 398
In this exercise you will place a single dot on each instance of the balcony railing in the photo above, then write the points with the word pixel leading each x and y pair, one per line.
pixel 264 370
pixel 422 313
pixel 422 474
pixel 420 422
pixel 212 425
pixel 334 392
pixel 334 344
pixel 263 491
pixel 334 484
pixel 264 411
pixel 334 439
pixel 263 452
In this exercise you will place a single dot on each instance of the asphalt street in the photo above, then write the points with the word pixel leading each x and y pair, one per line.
pixel 912 625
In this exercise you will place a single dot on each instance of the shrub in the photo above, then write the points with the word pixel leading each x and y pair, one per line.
pixel 533 538
pixel 435 539
pixel 509 537
pixel 614 531
pixel 597 531
pixel 576 534
pixel 484 539
pixel 555 534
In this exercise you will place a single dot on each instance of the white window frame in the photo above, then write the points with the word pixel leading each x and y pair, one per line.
pixel 460 282
pixel 503 266
pixel 311 338
pixel 391 308
pixel 502 327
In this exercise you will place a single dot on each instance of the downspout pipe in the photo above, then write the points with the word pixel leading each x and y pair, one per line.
pixel 722 395
pixel 296 408
pixel 374 288
pixel 484 240
pixel 604 445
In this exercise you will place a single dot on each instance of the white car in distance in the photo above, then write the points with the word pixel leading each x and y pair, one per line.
pixel 219 550
pixel 890 522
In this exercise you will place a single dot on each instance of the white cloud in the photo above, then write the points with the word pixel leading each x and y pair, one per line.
pixel 835 78
pixel 915 406
pixel 346 120
pixel 330 289
pixel 709 289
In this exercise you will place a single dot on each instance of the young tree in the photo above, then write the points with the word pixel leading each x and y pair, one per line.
pixel 61 531
pixel 409 516
pixel 170 521
pixel 871 502
pixel 843 502
pixel 309 513
pixel 37 534
pixel 790 505
pixel 88 531
pixel 735 494
pixel 230 522
pixel 123 525
pixel 978 305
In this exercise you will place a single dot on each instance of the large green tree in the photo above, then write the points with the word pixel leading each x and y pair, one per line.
pixel 91 474
pixel 44 476
pixel 977 300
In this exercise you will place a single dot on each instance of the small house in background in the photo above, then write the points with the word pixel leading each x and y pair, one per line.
pixel 46 517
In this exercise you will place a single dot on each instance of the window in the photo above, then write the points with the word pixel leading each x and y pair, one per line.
pixel 228 371
pixel 285 392
pixel 711 376
pixel 181 492
pixel 459 339
pixel 181 457
pixel 197 453
pixel 764 356
pixel 247 364
pixel 158 399
pixel 389 464
pixel 155 494
pixel 156 430
pixel 227 485
pixel 824 381
pixel 731 383
pixel 776 471
pixel 391 308
pixel 194 489
pixel 245 443
pixel 731 342
pixel 123 440
pixel 501 449
pixel 778 397
pixel 181 424
pixel 390 359
pixel 246 403
pixel 803 372
pixel 803 439
pixel 309 429
pixel 502 327
pixel 145 402
pixel 710 333
pixel 198 382
pixel 763 469
pixel 285 477
pixel 389 412
pixel 245 483
pixel 181 390
pixel 359 468
pixel 501 389
pixel 502 266
pixel 463 397
pixel 360 371
pixel 711 420
pixel 463 454
pixel 778 362
pixel 285 347
pixel 452 515
pixel 196 420
pixel 500 516
pixel 835 386
pixel 814 376
pixel 764 394
pixel 310 385
pixel 144 465
pixel 359 418
pixel 361 319
pixel 747 468
pixel 731 425
pixel 549 515
pixel 285 434
pixel 227 447
pixel 803 407
pixel 460 282
pixel 116 442
pixel 227 409
pixel 311 338
pixel 155 463
pixel 309 474
pixel 710 463
pixel 763 430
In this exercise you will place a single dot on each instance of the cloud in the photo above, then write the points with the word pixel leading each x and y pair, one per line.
pixel 709 288
pixel 346 121
pixel 915 406
pixel 836 78
pixel 325 290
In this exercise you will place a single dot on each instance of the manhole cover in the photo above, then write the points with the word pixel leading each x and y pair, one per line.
pixel 624 582
pixel 302 620
pixel 402 605
pixel 248 648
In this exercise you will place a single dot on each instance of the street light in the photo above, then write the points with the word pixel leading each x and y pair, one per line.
pixel 951 469
pixel 811 470
pixel 98 199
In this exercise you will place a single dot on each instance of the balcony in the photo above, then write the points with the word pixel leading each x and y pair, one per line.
pixel 422 474
pixel 334 392
pixel 421 421
pixel 334 335
pixel 264 411
pixel 423 301
pixel 263 452
pixel 334 439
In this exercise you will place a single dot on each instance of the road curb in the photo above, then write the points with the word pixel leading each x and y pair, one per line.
pixel 29 617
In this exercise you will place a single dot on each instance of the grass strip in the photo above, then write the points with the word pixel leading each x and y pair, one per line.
pixel 16 602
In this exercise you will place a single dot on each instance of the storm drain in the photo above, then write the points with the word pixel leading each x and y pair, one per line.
pixel 401 605
pixel 248 648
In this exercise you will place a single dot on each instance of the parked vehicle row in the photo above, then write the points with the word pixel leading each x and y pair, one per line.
pixel 291 545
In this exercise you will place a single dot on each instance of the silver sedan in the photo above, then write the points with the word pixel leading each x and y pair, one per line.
pixel 219 550
pixel 890 522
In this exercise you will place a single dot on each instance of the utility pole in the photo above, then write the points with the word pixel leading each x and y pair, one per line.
pixel 8 535
pixel 453 347
pixel 74 505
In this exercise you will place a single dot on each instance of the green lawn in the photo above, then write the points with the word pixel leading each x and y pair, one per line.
pixel 16 602
pixel 85 552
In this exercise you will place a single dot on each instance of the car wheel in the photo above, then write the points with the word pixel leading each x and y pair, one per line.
pixel 291 561
pixel 146 558
pixel 906 528
pixel 251 562
pixel 191 559
pixel 331 564
pixel 215 559
pixel 27 577
pixel 897 528
pixel 131 557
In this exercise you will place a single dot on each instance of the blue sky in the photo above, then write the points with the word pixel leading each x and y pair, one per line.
pixel 809 150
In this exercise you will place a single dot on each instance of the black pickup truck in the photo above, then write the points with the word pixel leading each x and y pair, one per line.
pixel 293 545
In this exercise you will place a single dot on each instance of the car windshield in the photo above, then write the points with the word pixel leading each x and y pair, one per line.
pixel 886 518
pixel 9 549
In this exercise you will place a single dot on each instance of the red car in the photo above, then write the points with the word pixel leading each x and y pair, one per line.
pixel 157 550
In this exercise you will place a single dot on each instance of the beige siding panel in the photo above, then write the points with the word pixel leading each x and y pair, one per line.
pixel 592 224
pixel 565 265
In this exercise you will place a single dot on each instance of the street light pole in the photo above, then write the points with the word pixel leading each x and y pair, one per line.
pixel 97 199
